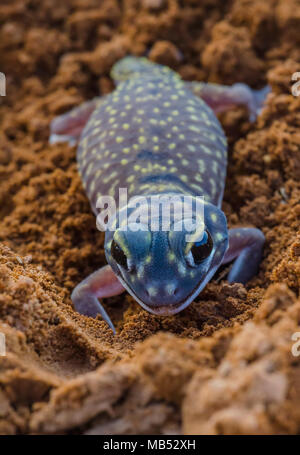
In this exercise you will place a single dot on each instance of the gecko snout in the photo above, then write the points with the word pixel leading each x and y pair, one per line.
pixel 162 291
pixel 163 299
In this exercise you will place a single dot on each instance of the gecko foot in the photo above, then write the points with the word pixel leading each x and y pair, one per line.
pixel 100 284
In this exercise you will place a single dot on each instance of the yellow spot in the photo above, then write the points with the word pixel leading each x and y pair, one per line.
pixel 159 167
pixel 170 288
pixel 214 217
pixel 171 257
pixel 148 259
pixel 206 149
pixel 124 161
pixel 89 169
pixel 140 273
pixel 201 165
pixel 152 291
pixel 181 269
pixel 172 146
pixel 126 126
pixel 195 129
pixel 213 183
pixel 142 139
pixel 110 177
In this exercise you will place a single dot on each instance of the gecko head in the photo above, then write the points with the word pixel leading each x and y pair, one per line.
pixel 165 269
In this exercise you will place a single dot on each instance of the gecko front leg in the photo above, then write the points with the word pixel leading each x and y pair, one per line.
pixel 245 246
pixel 100 284
pixel 221 97
pixel 68 127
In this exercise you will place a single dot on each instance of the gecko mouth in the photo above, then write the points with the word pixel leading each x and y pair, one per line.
pixel 172 308
pixel 164 309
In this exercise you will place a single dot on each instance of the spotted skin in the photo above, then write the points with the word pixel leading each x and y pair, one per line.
pixel 155 136
pixel 146 134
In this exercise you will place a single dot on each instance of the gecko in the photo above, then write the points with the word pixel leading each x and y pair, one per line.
pixel 154 135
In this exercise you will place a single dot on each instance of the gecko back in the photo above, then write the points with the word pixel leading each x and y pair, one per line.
pixel 152 135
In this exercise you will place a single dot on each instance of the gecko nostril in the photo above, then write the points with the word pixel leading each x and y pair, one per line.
pixel 151 291
pixel 171 289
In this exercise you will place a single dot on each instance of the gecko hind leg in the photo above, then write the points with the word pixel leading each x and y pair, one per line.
pixel 222 97
pixel 100 284
pixel 68 127
pixel 245 246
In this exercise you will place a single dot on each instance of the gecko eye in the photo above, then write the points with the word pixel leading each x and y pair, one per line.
pixel 119 255
pixel 200 250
